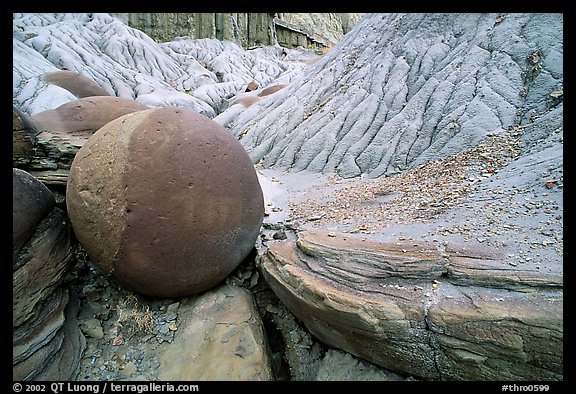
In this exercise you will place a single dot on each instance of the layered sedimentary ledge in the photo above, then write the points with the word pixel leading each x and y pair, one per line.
pixel 416 309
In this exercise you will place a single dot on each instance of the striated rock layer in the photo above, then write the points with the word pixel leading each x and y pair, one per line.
pixel 46 341
pixel 453 314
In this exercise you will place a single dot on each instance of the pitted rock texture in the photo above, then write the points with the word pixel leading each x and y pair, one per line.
pixel 165 200
pixel 400 90
pixel 417 309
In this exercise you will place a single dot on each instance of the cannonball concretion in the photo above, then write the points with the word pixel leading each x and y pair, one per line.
pixel 165 201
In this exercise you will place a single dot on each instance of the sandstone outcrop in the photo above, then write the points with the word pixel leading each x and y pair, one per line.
pixel 77 120
pixel 332 26
pixel 437 139
pixel 23 138
pixel 271 89
pixel 195 74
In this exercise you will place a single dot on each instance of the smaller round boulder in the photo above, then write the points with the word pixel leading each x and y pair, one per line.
pixel 77 120
pixel 31 202
pixel 77 84
pixel 165 200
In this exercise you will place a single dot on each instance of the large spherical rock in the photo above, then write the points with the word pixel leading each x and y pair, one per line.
pixel 165 200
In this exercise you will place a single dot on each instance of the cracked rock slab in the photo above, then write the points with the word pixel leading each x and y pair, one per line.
pixel 220 337
pixel 401 306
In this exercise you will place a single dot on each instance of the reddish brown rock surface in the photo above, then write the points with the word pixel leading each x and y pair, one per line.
pixel 45 144
pixel 247 101
pixel 166 201
pixel 77 84
pixel 77 120
pixel 271 89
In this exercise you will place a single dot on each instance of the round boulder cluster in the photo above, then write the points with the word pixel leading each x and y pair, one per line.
pixel 165 200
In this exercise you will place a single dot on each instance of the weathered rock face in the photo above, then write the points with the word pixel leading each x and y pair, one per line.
pixel 165 200
pixel 194 74
pixel 64 364
pixel 41 264
pixel 400 90
pixel 246 29
pixel 333 26
pixel 220 337
pixel 23 138
pixel 42 233
pixel 402 306
pixel 53 344
pixel 47 343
